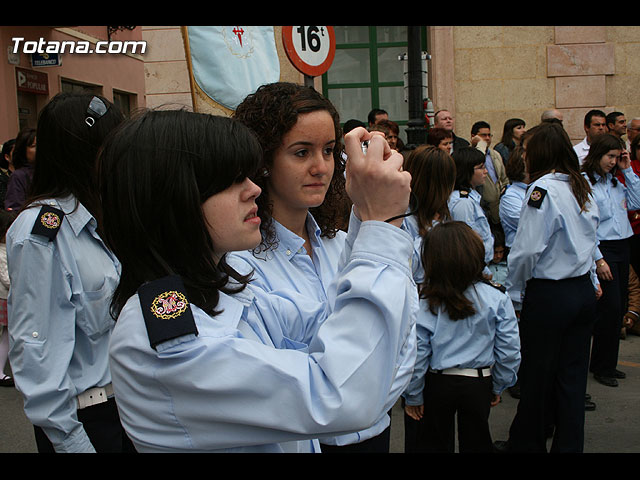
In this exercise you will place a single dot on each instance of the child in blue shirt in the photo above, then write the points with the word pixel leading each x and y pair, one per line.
pixel 468 343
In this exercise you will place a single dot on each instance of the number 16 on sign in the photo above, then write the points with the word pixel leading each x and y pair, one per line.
pixel 310 49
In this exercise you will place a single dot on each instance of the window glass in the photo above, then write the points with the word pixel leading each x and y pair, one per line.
pixel 392 100
pixel 393 33
pixel 357 34
pixel 350 65
pixel 389 67
pixel 351 103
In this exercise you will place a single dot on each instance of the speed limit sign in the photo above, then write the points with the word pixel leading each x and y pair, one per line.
pixel 310 49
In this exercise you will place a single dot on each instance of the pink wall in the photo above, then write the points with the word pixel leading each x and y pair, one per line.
pixel 106 71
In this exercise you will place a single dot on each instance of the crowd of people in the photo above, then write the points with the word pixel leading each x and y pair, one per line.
pixel 277 280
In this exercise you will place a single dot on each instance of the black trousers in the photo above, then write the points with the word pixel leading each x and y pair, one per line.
pixel 446 396
pixel 634 252
pixel 556 324
pixel 102 424
pixel 610 308
pixel 378 444
pixel 414 434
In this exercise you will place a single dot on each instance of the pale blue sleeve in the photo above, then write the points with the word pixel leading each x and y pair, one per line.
pixel 469 212
pixel 413 395
pixel 532 238
pixel 250 393
pixel 632 189
pixel 506 347
pixel 42 336
pixel 510 207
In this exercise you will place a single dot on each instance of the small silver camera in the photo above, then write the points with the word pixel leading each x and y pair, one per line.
pixel 365 145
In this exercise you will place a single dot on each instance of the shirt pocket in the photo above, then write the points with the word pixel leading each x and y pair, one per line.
pixel 92 315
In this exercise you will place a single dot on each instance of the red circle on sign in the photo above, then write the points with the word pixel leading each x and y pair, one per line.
pixel 299 63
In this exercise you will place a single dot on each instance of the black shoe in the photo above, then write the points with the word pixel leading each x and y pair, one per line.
pixel 515 391
pixel 6 381
pixel 501 446
pixel 589 406
pixel 606 381
pixel 618 374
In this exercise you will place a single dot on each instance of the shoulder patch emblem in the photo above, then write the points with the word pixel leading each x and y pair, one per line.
pixel 464 194
pixel 536 197
pixel 48 222
pixel 166 310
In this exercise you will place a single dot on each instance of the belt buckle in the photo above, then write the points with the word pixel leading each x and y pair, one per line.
pixel 91 397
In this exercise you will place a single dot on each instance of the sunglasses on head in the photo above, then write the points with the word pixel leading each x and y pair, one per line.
pixel 95 111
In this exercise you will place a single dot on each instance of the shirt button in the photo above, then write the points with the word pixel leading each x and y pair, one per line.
pixel 288 252
pixel 34 334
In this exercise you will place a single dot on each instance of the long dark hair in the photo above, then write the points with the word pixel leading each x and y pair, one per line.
pixel 68 148
pixel 507 133
pixel 516 167
pixel 24 139
pixel 271 112
pixel 466 160
pixel 433 174
pixel 453 260
pixel 599 147
pixel 549 149
pixel 156 171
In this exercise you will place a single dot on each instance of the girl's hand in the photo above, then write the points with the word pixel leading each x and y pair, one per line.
pixel 414 411
pixel 603 270
pixel 375 182
pixel 625 160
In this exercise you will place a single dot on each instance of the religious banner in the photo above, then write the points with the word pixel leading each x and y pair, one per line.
pixel 228 63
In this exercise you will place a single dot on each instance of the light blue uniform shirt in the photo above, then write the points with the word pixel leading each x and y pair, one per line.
pixel 59 322
pixel 554 242
pixel 252 381
pixel 286 270
pixel 613 203
pixel 469 211
pixel 510 208
pixel 488 338
pixel 410 224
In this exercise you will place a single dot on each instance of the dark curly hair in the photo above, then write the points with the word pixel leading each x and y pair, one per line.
pixel 271 112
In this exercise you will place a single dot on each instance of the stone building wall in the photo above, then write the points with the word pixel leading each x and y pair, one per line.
pixel 502 72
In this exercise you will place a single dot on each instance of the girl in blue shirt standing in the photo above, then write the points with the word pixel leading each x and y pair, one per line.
pixel 606 155
pixel 550 276
pixel 62 277
pixel 464 202
pixel 468 344
pixel 302 207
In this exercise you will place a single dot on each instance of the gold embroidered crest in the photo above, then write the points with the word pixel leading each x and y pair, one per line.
pixel 169 305
pixel 50 220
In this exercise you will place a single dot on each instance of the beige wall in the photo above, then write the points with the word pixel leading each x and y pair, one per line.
pixel 494 73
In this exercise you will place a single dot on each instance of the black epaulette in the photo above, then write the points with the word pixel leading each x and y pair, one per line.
pixel 166 310
pixel 464 194
pixel 48 222
pixel 499 286
pixel 537 196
